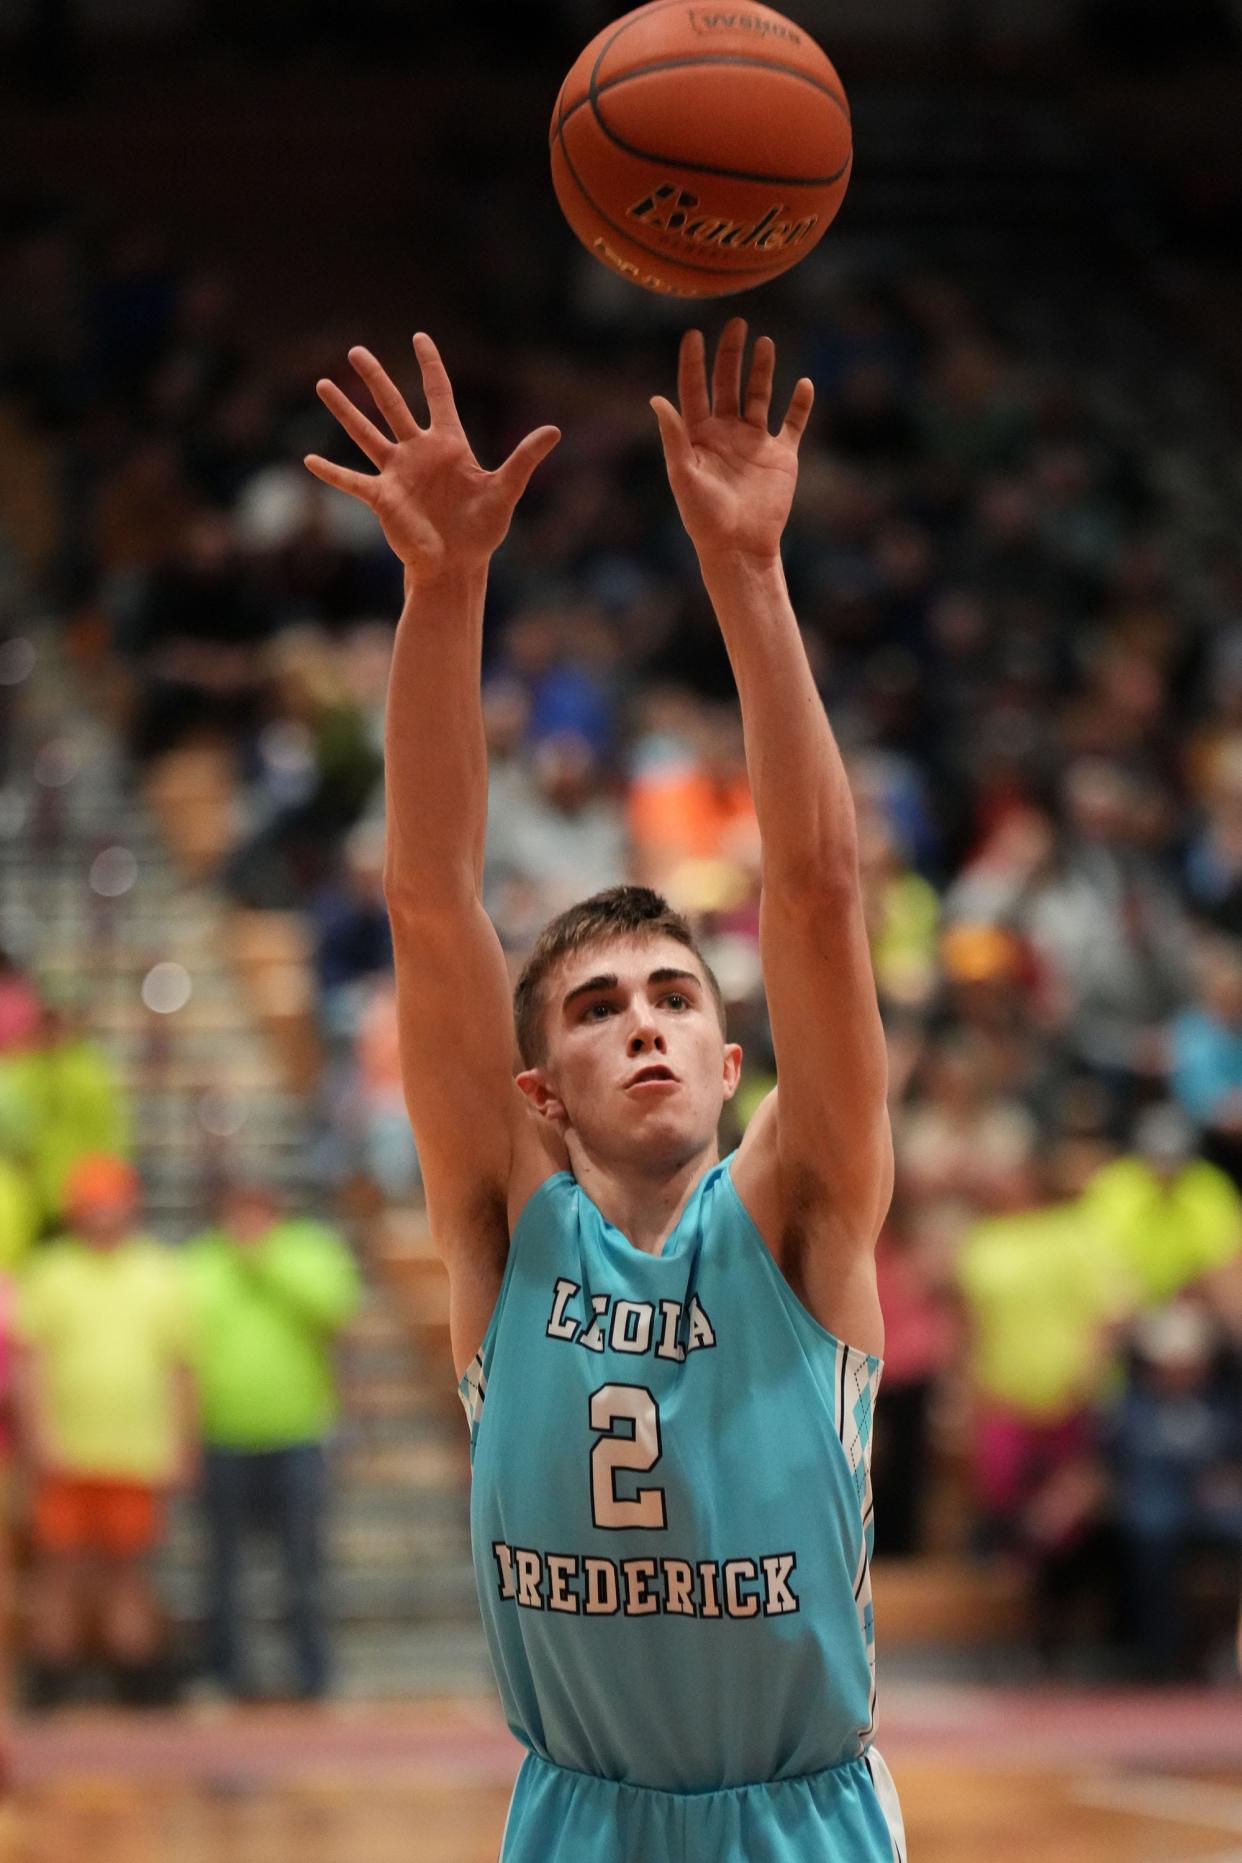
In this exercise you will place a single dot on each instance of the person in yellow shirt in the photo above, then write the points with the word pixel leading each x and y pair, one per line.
pixel 107 1430
pixel 1045 1293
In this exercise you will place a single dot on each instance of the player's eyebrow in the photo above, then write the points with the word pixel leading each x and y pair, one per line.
pixel 609 981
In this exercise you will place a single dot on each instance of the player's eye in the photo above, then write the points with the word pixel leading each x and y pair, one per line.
pixel 676 1000
pixel 596 1011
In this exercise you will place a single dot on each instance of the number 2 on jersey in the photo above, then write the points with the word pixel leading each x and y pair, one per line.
pixel 640 1450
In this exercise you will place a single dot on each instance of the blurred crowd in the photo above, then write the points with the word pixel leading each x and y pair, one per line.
pixel 1011 557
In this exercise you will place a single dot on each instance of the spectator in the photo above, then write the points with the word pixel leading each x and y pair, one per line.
pixel 1171 1217
pixel 377 1100
pixel 106 1413
pixel 510 784
pixel 1175 1445
pixel 8 1304
pixel 1110 926
pixel 8 1309
pixel 349 921
pixel 1206 1055
pixel 903 914
pixel 270 1294
pixel 64 1100
pixel 1213 874
pixel 191 642
pixel 317 769
pixel 19 1203
pixel 963 1135
pixel 690 799
pixel 19 1006
pixel 569 835
pixel 1044 1297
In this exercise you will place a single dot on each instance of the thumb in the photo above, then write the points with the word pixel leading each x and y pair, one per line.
pixel 515 474
pixel 677 448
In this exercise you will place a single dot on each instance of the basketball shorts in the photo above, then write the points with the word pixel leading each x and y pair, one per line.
pixel 845 1814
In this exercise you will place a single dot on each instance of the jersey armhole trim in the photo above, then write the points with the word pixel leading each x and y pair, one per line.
pixel 788 1295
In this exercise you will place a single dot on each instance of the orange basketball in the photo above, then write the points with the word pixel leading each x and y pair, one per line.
pixel 699 150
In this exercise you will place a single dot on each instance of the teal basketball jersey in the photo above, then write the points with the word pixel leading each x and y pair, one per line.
pixel 671 1514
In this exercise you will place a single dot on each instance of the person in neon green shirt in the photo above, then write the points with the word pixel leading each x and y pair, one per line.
pixel 19 1205
pixel 107 1431
pixel 270 1293
pixel 70 1102
pixel 1173 1217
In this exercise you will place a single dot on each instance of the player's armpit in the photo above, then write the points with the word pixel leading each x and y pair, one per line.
pixel 826 1257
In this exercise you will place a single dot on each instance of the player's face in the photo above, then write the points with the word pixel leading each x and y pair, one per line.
pixel 637 1066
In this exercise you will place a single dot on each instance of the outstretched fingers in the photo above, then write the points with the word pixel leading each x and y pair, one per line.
pixel 759 386
pixel 692 392
pixel 357 484
pixel 727 374
pixel 385 393
pixel 367 437
pixel 799 412
pixel 436 385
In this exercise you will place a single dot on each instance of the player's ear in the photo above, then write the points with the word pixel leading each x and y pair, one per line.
pixel 541 1095
pixel 732 1068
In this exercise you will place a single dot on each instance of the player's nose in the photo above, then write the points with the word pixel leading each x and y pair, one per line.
pixel 645 1036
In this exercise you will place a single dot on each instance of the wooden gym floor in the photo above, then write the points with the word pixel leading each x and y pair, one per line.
pixel 1030 1776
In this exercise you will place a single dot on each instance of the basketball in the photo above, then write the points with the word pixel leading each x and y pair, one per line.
pixel 698 151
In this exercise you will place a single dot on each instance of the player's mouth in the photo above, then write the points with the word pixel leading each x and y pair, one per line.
pixel 651 1078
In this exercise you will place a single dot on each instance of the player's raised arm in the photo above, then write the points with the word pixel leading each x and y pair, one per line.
pixel 816 1167
pixel 444 515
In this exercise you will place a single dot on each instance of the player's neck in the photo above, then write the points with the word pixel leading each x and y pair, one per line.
pixel 645 1205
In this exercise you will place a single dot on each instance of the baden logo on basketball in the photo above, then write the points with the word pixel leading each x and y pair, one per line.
pixel 671 209
pixel 704 22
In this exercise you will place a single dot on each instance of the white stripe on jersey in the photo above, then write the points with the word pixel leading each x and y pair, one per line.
pixel 890 1805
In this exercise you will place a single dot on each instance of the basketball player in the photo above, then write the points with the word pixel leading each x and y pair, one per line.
pixel 669 1361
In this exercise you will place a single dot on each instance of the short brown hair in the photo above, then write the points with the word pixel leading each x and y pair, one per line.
pixel 619 912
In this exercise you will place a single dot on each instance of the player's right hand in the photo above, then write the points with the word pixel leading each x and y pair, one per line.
pixel 440 511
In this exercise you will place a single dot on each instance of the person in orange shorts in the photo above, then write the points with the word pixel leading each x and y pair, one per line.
pixel 106 1417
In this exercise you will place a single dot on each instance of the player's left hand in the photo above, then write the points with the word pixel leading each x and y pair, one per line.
pixel 733 480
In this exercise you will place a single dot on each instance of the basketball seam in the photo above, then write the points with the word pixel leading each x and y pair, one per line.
pixel 657 252
pixel 681 161
pixel 707 58
pixel 664 6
